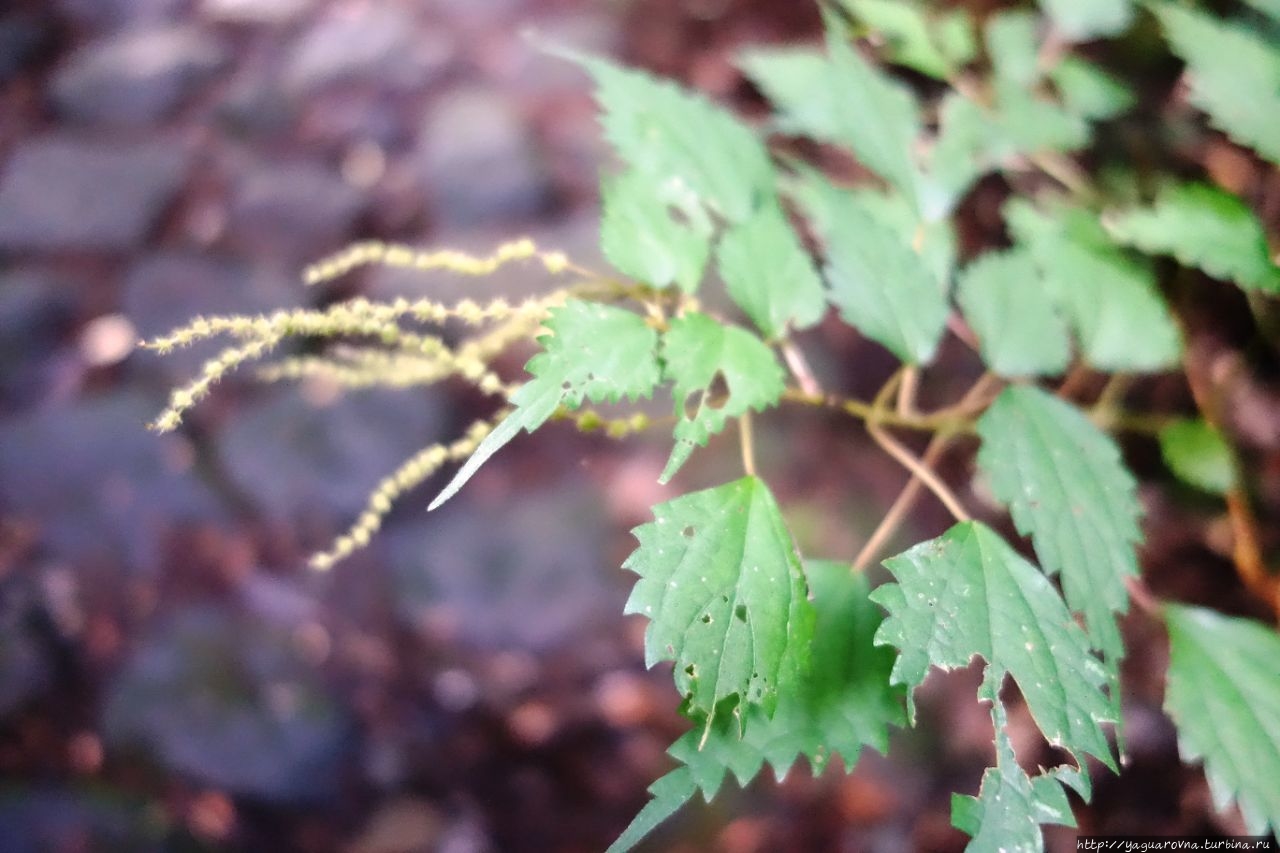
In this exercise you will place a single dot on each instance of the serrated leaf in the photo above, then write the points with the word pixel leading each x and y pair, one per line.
pixel 1085 20
pixel 1198 454
pixel 1224 695
pixel 769 274
pixel 843 99
pixel 674 136
pixel 595 352
pixel 1234 75
pixel 1069 490
pixel 1088 91
pixel 723 588
pixel 1010 807
pixel 968 593
pixel 1027 123
pixel 1019 332
pixel 909 33
pixel 1109 299
pixel 699 354
pixel 642 239
pixel 842 702
pixel 1205 227
pixel 1013 44
pixel 882 287
pixel 670 792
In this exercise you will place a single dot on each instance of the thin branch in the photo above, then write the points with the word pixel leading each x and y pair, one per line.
pixel 748 444
pixel 909 461
pixel 902 505
pixel 908 388
pixel 800 369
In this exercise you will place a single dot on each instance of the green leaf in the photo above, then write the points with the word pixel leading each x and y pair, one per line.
pixel 908 32
pixel 882 287
pixel 1085 20
pixel 678 139
pixel 722 586
pixel 845 100
pixel 1224 695
pixel 594 352
pixel 1019 332
pixel 670 792
pixel 968 593
pixel 1010 807
pixel 700 354
pixel 1088 91
pixel 1234 74
pixel 1198 454
pixel 640 237
pixel 1205 227
pixel 840 704
pixel 1014 46
pixel 1026 123
pixel 1267 7
pixel 1067 487
pixel 769 274
pixel 1110 300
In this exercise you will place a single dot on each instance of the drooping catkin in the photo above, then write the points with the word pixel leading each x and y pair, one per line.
pixel 374 253
pixel 413 472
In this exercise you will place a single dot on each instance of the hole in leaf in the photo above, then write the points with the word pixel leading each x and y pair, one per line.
pixel 692 404
pixel 691 671
pixel 688 532
pixel 718 391
pixel 706 618
pixel 740 612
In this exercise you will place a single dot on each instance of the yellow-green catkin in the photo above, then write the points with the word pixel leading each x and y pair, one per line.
pixel 413 472
pixel 373 253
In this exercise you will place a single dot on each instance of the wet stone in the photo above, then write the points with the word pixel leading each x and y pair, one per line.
pixel 60 193
pixel 166 290
pixel 23 38
pixel 116 14
pixel 255 11
pixel 293 211
pixel 380 43
pixel 478 163
pixel 137 76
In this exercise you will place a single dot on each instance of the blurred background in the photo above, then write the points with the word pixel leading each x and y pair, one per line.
pixel 172 677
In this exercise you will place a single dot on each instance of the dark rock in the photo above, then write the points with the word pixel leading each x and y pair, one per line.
pixel 22 39
pixel 136 77
pixel 297 459
pixel 114 14
pixel 293 211
pixel 59 193
pixel 379 43
pixel 227 700
pixel 37 312
pixel 478 162
pixel 169 289
pixel 101 486
pixel 525 574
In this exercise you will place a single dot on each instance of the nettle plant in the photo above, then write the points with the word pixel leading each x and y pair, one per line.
pixel 776 657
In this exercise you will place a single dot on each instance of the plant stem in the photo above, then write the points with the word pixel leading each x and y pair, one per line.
pixel 748 444
pixel 800 369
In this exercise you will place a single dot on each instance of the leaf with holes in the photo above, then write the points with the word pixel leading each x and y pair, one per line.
pixel 720 372
pixel 1067 487
pixel 594 352
pixel 840 704
pixel 723 588
pixel 1010 807
pixel 1205 227
pixel 1224 696
pixel 1019 331
pixel 642 239
pixel 769 274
